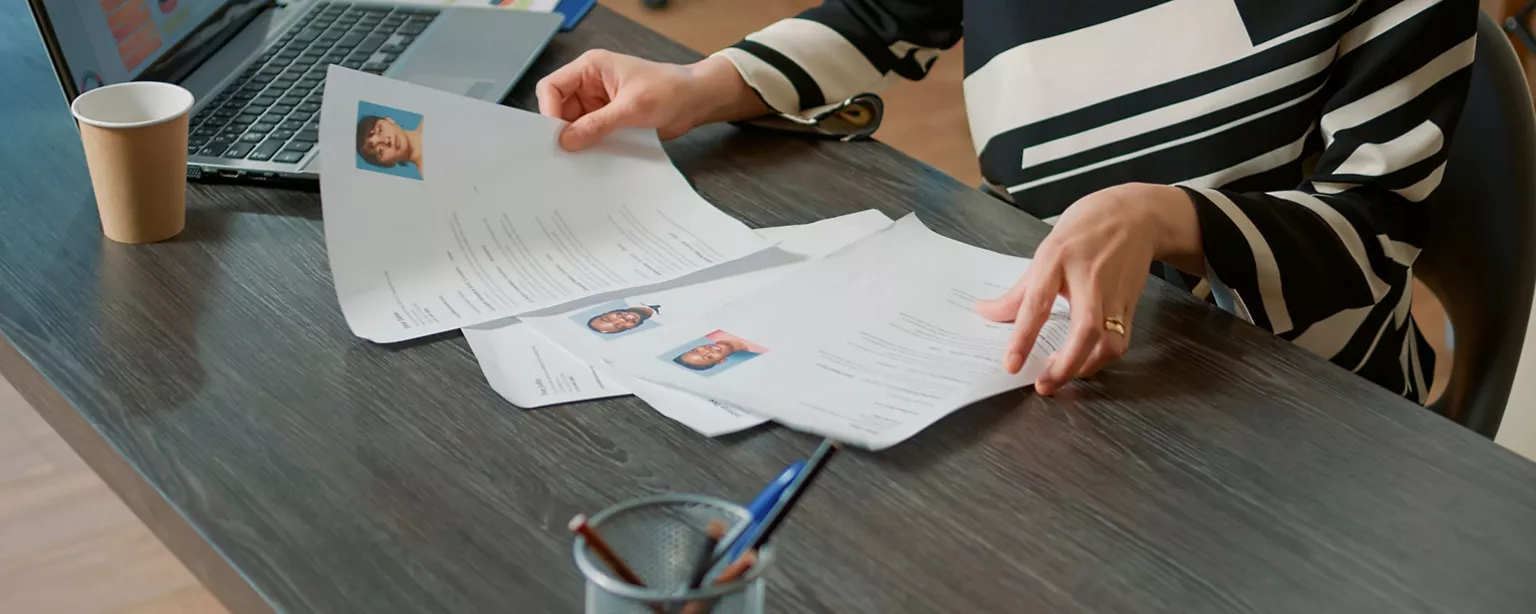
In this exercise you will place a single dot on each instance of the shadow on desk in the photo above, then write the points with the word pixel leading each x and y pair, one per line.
pixel 139 353
pixel 212 207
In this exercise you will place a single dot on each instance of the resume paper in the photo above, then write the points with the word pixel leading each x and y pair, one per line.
pixel 531 371
pixel 528 366
pixel 505 222
pixel 867 346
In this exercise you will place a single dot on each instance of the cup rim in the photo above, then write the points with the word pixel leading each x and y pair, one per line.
pixel 74 107
pixel 605 579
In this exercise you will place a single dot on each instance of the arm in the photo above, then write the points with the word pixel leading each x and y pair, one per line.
pixel 1317 263
pixel 807 69
pixel 828 54
pixel 1327 265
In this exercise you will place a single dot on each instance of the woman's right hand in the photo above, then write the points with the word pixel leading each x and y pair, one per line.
pixel 603 91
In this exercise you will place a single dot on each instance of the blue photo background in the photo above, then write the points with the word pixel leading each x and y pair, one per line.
pixel 730 361
pixel 407 121
pixel 582 317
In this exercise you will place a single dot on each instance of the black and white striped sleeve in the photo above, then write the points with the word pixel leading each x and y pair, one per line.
pixel 843 48
pixel 1323 264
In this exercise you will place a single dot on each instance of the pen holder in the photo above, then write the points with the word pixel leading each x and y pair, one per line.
pixel 661 538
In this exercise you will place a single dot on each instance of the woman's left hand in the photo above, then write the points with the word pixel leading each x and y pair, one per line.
pixel 1098 257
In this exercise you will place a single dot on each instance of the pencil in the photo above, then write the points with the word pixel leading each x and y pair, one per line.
pixel 714 531
pixel 737 568
pixel 732 572
pixel 580 527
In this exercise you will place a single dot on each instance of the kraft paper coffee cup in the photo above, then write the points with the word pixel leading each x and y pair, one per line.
pixel 135 137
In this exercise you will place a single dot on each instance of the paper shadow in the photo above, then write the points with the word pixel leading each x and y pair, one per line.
pixel 953 434
pixel 771 257
pixel 425 340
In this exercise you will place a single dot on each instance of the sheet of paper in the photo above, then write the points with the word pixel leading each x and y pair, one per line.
pixel 531 371
pixel 505 222
pixel 867 346
pixel 588 330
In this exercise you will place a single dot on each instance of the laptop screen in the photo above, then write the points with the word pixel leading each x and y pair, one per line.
pixel 110 41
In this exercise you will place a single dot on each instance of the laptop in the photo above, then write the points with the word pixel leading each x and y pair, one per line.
pixel 257 68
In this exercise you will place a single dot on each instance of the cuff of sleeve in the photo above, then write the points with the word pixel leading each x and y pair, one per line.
pixel 856 117
pixel 1217 238
pixel 770 84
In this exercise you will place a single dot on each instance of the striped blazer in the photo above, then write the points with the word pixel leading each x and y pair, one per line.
pixel 1308 133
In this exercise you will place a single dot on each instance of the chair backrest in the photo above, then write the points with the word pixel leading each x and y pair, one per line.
pixel 1480 254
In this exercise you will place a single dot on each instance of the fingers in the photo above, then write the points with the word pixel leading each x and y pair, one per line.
pixel 592 127
pixel 560 86
pixel 1082 341
pixel 1102 357
pixel 1004 308
pixel 1109 348
pixel 1041 286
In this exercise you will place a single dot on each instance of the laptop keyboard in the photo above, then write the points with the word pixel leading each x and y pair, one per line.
pixel 272 111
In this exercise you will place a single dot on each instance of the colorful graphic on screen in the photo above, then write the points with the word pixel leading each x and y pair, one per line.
pixel 128 18
pixel 166 6
pixel 174 24
pixel 139 46
pixel 133 28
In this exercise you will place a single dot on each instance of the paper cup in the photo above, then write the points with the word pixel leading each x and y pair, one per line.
pixel 135 137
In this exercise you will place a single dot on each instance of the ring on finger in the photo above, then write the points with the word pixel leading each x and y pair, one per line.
pixel 1115 324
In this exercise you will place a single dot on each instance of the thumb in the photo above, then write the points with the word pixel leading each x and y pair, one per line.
pixel 592 127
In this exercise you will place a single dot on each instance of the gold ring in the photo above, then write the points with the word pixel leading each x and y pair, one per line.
pixel 1115 324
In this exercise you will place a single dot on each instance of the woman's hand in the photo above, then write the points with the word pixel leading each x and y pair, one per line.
pixel 603 91
pixel 1098 256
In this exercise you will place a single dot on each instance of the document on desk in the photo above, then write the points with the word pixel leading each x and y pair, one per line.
pixel 867 346
pixel 554 358
pixel 506 222
pixel 529 370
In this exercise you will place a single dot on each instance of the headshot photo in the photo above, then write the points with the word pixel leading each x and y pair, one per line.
pixel 389 141
pixel 615 319
pixel 714 353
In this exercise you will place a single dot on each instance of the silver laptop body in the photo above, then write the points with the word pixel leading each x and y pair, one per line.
pixel 236 48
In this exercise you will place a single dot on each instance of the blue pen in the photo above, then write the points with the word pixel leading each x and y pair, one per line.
pixel 758 509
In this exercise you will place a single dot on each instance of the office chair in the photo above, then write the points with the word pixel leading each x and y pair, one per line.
pixel 1480 254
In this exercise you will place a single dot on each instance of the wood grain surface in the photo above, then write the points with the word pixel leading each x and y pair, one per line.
pixel 213 383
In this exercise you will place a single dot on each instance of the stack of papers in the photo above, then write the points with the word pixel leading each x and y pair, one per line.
pixel 868 346
pixel 523 353
pixel 602 273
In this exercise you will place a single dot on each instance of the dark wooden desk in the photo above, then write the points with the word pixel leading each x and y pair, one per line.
pixel 213 384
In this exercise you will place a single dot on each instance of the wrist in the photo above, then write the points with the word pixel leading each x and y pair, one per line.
pixel 1169 213
pixel 720 93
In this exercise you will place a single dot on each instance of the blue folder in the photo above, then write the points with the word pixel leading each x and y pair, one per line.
pixel 573 10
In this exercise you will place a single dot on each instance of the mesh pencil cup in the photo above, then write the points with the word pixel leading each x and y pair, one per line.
pixel 661 537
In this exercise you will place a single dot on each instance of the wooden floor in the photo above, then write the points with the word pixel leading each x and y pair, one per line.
pixel 68 546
